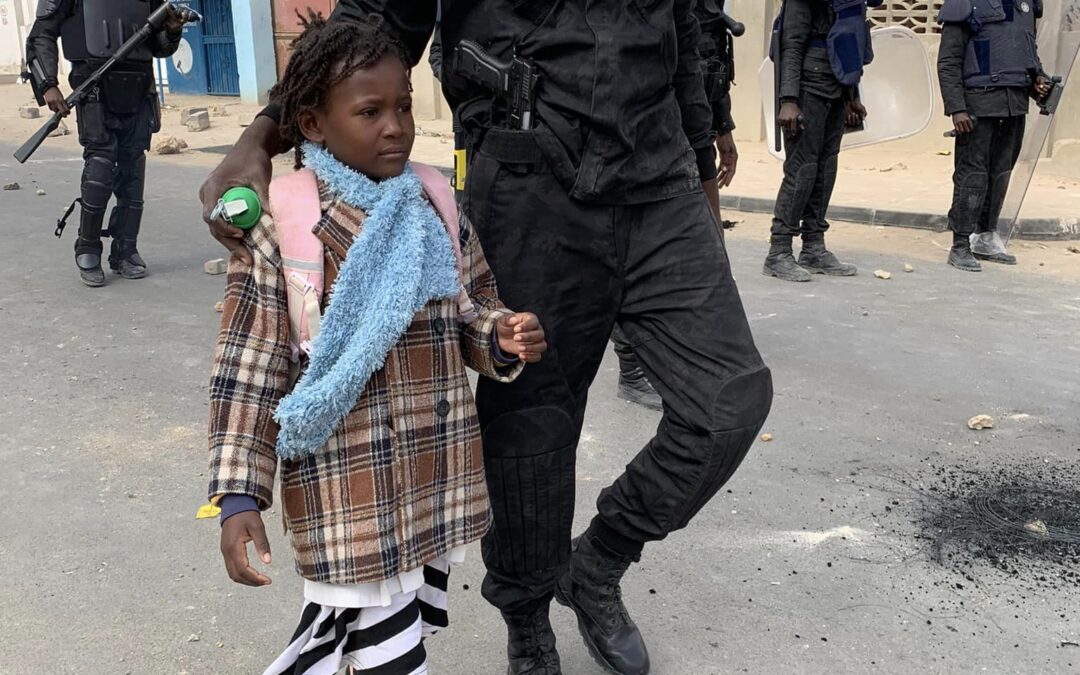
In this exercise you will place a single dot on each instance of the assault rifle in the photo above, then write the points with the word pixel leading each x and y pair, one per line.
pixel 513 82
pixel 155 23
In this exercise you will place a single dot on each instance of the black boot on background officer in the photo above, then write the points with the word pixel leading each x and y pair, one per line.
pixel 985 87
pixel 115 121
pixel 822 46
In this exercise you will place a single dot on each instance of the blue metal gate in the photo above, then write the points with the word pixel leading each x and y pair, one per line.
pixel 220 45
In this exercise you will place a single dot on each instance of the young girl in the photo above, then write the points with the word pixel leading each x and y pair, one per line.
pixel 382 482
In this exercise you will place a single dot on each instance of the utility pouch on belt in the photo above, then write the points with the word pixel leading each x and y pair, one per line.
pixel 125 92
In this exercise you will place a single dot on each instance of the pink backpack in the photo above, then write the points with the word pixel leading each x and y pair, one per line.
pixel 294 203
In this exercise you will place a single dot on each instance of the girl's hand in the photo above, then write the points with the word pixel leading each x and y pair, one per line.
pixel 521 335
pixel 236 532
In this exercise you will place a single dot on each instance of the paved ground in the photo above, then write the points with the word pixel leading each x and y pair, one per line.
pixel 795 569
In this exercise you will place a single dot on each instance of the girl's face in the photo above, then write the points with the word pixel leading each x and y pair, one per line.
pixel 367 122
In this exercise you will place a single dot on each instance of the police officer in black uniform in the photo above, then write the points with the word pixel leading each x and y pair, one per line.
pixel 115 121
pixel 988 67
pixel 604 212
pixel 716 49
pixel 823 46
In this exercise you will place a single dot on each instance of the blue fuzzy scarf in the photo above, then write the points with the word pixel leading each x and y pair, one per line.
pixel 401 260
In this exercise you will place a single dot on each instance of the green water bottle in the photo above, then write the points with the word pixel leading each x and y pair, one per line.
pixel 239 207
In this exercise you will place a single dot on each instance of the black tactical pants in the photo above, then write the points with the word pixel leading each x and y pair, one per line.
pixel 114 151
pixel 983 162
pixel 810 168
pixel 660 272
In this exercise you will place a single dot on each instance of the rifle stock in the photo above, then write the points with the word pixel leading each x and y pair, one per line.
pixel 28 148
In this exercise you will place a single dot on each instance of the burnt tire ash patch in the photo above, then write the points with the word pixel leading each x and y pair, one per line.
pixel 1021 520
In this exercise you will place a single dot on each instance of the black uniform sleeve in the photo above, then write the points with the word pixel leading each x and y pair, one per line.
pixel 954 39
pixel 411 22
pixel 690 91
pixel 722 120
pixel 42 42
pixel 794 39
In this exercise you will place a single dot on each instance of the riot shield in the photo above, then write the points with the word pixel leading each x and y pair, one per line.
pixel 897 90
pixel 1059 42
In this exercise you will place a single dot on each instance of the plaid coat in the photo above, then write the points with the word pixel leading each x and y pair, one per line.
pixel 401 480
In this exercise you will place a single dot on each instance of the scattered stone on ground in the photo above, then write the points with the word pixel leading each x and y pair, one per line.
pixel 198 121
pixel 908 267
pixel 60 130
pixel 1074 249
pixel 215 266
pixel 980 422
pixel 899 166
pixel 219 111
pixel 12 186
pixel 169 145
pixel 219 306
pixel 186 113
pixel 41 192
pixel 882 274
pixel 1036 526
pixel 29 112
pixel 766 437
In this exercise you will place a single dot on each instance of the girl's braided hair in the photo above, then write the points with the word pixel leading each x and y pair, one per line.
pixel 323 55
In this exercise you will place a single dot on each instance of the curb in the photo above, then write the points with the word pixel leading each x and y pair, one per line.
pixel 1032 229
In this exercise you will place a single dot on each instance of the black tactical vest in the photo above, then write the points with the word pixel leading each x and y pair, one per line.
pixel 97 28
pixel 1002 51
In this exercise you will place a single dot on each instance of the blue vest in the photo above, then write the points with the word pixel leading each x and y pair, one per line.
pixel 848 41
pixel 1002 50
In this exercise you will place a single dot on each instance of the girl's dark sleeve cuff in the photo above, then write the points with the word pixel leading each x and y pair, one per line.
pixel 234 504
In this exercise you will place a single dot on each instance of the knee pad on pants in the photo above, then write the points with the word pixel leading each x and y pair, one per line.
pixel 97 183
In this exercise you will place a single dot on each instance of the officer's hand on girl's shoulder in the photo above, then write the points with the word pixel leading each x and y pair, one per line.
pixel 236 532
pixel 521 335
pixel 963 123
pixel 55 100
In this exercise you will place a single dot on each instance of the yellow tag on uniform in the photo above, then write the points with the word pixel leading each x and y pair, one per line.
pixel 208 511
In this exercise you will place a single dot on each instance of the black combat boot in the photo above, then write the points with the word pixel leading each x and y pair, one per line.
pixel 635 388
pixel 590 587
pixel 780 262
pixel 531 644
pixel 960 255
pixel 88 249
pixel 817 259
pixel 124 258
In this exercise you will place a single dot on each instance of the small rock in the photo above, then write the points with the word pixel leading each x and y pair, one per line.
pixel 1036 527
pixel 12 186
pixel 420 131
pixel 220 645
pixel 1073 249
pixel 765 438
pixel 170 145
pixel 219 111
pixel 980 422
pixel 183 143
pixel 199 121
pixel 41 192
pixel 899 166
pixel 219 306
pixel 193 638
pixel 216 266
pixel 908 267
pixel 882 274
pixel 186 113
pixel 60 130
pixel 29 112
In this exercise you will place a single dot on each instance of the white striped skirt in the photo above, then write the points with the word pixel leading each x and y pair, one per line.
pixel 378 640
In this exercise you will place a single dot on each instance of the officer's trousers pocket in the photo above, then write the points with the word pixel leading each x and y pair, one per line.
pixel 91 120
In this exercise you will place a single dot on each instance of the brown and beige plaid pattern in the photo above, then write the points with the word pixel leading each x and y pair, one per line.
pixel 401 481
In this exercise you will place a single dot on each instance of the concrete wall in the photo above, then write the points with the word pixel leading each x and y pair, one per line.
pixel 16 16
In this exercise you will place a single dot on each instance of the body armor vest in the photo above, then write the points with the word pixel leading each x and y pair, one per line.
pixel 1002 50
pixel 97 28
pixel 848 41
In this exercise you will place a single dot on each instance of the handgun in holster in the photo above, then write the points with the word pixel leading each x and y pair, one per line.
pixel 513 83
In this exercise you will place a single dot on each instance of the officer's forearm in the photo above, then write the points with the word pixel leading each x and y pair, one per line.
pixel 262 135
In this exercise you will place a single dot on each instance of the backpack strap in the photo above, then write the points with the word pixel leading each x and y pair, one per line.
pixel 438 190
pixel 294 203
